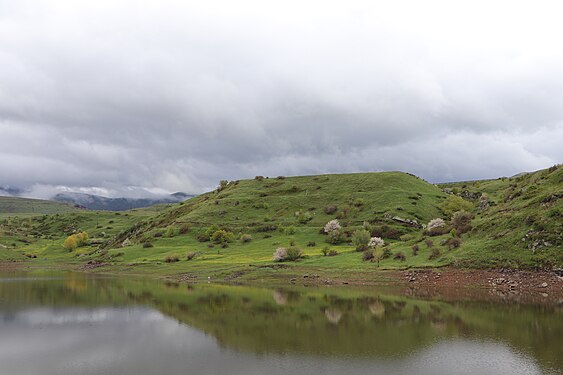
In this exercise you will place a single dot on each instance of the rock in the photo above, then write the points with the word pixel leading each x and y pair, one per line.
pixel 499 281
pixel 543 285
pixel 126 243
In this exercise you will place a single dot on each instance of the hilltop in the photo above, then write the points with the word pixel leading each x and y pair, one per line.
pixel 233 231
pixel 10 206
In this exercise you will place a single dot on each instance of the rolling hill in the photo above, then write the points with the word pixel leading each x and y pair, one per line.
pixel 234 230
pixel 10 206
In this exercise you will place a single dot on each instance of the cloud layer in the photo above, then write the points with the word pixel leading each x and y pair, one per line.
pixel 178 95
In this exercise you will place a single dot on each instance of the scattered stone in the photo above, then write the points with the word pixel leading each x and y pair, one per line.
pixel 543 285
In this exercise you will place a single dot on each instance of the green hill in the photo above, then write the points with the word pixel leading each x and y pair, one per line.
pixel 232 232
pixel 10 206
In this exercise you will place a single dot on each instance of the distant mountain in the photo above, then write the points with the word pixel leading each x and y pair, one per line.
pixel 97 202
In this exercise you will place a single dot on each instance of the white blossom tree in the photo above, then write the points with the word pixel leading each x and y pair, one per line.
pixel 331 226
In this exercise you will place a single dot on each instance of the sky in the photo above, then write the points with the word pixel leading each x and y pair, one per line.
pixel 134 97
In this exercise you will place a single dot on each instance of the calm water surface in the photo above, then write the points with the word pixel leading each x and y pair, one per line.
pixel 75 324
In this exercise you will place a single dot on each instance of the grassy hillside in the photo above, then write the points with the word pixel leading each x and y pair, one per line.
pixel 10 206
pixel 518 225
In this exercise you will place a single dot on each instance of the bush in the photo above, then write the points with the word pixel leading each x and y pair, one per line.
pixel 332 226
pixel 184 228
pixel 294 253
pixel 367 255
pixel 75 240
pixel 325 251
pixel 246 238
pixel 455 203
pixel 359 202
pixel 435 253
pixel 332 253
pixel 436 227
pixel 311 244
pixel 361 239
pixel 304 217
pixel 334 237
pixel 290 230
pixel 453 242
pixel 171 231
pixel 386 253
pixel 172 258
pixel 259 178
pixel 329 210
pixel 221 237
pixel 191 255
pixel 147 245
pixel 414 250
pixel 376 241
pixel 461 220
pixel 429 243
pixel 400 256
pixel 158 234
pixel 280 254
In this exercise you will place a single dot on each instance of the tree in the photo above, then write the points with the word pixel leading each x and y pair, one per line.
pixel 71 243
pixel 332 226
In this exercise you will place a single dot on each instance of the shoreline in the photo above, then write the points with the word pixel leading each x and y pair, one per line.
pixel 504 285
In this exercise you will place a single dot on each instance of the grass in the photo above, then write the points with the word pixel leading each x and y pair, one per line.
pixel 271 210
pixel 13 206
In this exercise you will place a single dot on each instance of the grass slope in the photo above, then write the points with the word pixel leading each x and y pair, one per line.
pixel 11 206
pixel 282 211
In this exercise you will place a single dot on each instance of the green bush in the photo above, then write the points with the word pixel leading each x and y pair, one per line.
pixel 360 238
pixel 246 238
pixel 454 203
pixel 172 258
pixel 221 236
pixel 294 253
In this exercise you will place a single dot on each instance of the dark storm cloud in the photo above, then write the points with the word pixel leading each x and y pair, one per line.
pixel 177 95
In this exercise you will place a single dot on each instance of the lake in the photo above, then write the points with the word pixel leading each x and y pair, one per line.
pixel 78 324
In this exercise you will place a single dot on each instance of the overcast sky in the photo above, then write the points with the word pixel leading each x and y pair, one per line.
pixel 176 95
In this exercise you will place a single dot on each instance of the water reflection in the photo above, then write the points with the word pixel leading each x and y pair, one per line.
pixel 80 325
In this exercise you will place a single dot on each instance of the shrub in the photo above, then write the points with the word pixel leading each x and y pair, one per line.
pixel 332 253
pixel 245 238
pixel 291 242
pixel 147 245
pixel 290 230
pixel 311 244
pixel 280 254
pixel 461 220
pixel 267 228
pixel 221 236
pixel 75 240
pixel 386 231
pixel 171 231
pixel 332 226
pixel 414 250
pixel 202 237
pixel 172 258
pixel 436 227
pixel 325 251
pixel 367 255
pixel 453 242
pixel 329 210
pixel 344 212
pixel 400 256
pixel 376 241
pixel 70 243
pixel 158 234
pixel 191 255
pixel 429 243
pixel 455 203
pixel 294 253
pixel 259 178
pixel 361 239
pixel 304 217
pixel 184 228
pixel 334 237
pixel 359 202
pixel 435 253
pixel 386 253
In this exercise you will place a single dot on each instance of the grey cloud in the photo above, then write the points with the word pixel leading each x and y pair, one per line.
pixel 105 94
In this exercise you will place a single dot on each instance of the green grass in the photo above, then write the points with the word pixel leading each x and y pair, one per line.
pixel 266 208
pixel 13 206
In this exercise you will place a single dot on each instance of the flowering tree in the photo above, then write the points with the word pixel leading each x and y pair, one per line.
pixel 376 241
pixel 280 254
pixel 331 226
pixel 435 226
